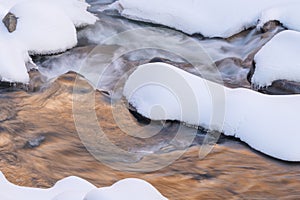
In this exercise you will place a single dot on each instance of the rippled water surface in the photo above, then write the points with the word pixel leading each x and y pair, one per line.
pixel 40 144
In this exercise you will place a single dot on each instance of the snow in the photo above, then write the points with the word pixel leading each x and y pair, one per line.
pixel 278 60
pixel 287 14
pixel 12 61
pixel 131 189
pixel 78 189
pixel 70 184
pixel 40 32
pixel 212 18
pixel 44 27
pixel 76 10
pixel 269 124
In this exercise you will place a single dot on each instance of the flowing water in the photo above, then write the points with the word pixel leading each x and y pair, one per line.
pixel 46 132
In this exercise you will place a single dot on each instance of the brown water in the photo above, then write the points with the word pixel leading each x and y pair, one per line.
pixel 39 142
pixel 232 170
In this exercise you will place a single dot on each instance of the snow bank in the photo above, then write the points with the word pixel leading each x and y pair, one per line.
pixel 78 189
pixel 131 189
pixel 43 27
pixel 278 60
pixel 287 14
pixel 268 123
pixel 40 31
pixel 13 57
pixel 212 18
pixel 76 10
pixel 71 184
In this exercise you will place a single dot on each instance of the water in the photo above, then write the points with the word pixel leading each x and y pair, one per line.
pixel 44 116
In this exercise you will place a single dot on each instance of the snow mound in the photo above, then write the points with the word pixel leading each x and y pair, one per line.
pixel 212 18
pixel 43 27
pixel 76 10
pixel 71 184
pixel 131 189
pixel 278 60
pixel 161 92
pixel 13 57
pixel 288 15
pixel 40 32
pixel 78 189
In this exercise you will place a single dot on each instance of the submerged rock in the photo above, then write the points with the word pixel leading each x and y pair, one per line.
pixel 36 142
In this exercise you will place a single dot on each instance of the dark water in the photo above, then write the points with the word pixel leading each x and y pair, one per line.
pixel 43 128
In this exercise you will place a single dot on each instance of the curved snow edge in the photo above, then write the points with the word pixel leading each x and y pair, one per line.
pixel 210 18
pixel 268 124
pixel 79 189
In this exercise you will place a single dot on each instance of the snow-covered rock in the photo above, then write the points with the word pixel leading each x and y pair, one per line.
pixel 78 189
pixel 76 10
pixel 278 60
pixel 13 57
pixel 43 27
pixel 288 15
pixel 212 18
pixel 267 123
pixel 40 31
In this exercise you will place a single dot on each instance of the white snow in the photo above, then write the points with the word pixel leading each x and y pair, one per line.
pixel 44 27
pixel 78 189
pixel 212 18
pixel 287 14
pixel 278 60
pixel 40 32
pixel 13 57
pixel 70 184
pixel 76 10
pixel 127 189
pixel 267 123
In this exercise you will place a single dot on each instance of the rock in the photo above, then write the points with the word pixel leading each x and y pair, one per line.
pixel 251 72
pixel 10 21
pixel 36 142
pixel 282 87
pixel 270 26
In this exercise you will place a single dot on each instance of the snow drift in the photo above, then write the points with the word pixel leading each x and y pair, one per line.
pixel 78 189
pixel 267 123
